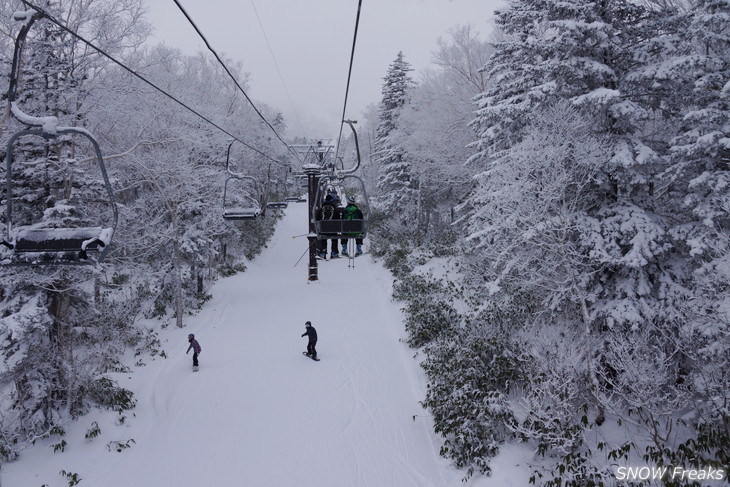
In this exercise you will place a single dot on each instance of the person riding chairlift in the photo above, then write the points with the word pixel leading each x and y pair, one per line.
pixel 335 213
pixel 352 212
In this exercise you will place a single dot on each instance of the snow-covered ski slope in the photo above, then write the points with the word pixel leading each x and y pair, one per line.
pixel 259 413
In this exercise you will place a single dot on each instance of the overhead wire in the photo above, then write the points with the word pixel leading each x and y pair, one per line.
pixel 145 80
pixel 271 51
pixel 349 76
pixel 253 105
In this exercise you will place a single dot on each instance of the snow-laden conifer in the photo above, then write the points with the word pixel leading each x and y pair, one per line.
pixel 395 180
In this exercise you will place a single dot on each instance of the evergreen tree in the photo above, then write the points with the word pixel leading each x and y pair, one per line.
pixel 435 130
pixel 699 175
pixel 56 183
pixel 395 181
pixel 698 185
pixel 610 250
pixel 592 55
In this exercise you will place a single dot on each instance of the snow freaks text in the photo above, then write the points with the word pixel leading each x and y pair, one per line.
pixel 670 473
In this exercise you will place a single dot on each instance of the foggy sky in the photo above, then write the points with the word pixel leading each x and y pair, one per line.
pixel 311 41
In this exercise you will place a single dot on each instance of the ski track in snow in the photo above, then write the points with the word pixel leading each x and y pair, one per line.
pixel 258 413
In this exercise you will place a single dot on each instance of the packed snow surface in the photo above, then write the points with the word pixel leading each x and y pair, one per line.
pixel 259 413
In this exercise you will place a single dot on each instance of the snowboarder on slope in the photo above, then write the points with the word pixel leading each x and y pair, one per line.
pixel 196 350
pixel 312 334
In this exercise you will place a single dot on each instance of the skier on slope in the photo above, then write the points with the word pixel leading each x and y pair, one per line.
pixel 196 350
pixel 312 334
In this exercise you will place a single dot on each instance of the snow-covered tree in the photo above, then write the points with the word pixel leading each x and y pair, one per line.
pixel 531 226
pixel 434 127
pixel 62 328
pixel 49 368
pixel 697 185
pixel 172 182
pixel 591 55
pixel 396 184
pixel 601 250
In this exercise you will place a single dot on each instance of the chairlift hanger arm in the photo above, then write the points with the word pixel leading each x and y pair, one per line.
pixel 228 163
pixel 18 52
pixel 228 159
pixel 352 170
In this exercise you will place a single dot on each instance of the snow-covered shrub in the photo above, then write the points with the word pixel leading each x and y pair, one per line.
pixel 390 240
pixel 575 469
pixel 106 393
pixel 553 364
pixel 119 446
pixel 444 241
pixel 93 431
pixel 470 373
pixel 227 269
pixel 552 404
pixel 429 309
pixel 72 477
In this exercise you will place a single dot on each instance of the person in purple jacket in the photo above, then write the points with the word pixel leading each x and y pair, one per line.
pixel 196 350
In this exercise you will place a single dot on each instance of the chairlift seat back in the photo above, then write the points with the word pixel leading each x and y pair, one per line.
pixel 295 199
pixel 241 213
pixel 341 228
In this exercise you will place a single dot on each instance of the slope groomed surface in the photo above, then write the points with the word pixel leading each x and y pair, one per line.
pixel 259 413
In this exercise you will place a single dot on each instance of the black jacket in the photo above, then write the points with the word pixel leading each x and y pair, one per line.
pixel 312 334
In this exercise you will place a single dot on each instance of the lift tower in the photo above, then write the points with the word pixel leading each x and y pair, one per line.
pixel 318 157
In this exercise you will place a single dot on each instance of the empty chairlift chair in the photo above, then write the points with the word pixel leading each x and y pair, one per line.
pixel 243 205
pixel 59 236
pixel 48 242
pixel 301 186
pixel 277 204
pixel 279 192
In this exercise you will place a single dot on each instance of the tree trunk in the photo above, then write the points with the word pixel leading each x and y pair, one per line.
pixel 61 347
pixel 97 290
pixel 177 274
pixel 197 274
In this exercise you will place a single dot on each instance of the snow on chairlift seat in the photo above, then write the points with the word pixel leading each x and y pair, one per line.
pixel 277 204
pixel 55 245
pixel 241 213
pixel 62 239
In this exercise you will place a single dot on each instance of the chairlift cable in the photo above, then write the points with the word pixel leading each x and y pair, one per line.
pixel 145 80
pixel 271 51
pixel 349 75
pixel 238 85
